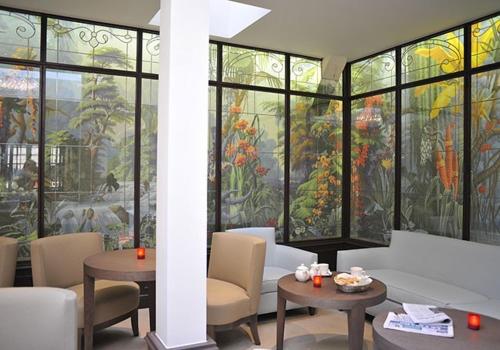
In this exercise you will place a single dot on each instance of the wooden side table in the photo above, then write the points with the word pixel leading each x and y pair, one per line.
pixel 488 337
pixel 118 265
pixel 328 297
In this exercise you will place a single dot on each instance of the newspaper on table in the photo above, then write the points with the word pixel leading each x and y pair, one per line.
pixel 403 322
pixel 424 314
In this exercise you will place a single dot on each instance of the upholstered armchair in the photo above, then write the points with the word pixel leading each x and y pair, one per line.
pixel 38 318
pixel 281 260
pixel 234 282
pixel 8 260
pixel 57 261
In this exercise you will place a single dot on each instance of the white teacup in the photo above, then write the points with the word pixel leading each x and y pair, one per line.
pixel 324 269
pixel 358 272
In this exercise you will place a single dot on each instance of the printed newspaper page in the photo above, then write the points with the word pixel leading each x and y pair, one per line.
pixel 403 322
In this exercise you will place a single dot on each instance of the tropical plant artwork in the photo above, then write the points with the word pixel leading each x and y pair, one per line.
pixel 373 138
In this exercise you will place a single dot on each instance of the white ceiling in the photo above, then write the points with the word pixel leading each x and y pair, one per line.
pixel 320 28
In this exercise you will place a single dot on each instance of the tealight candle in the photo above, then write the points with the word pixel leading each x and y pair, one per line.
pixel 141 253
pixel 473 321
pixel 317 281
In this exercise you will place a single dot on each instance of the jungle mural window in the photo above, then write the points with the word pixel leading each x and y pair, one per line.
pixel 212 62
pixel 373 73
pixel 485 155
pixel 211 181
pixel 485 42
pixel 19 35
pixel 91 45
pixel 315 168
pixel 150 53
pixel 432 158
pixel 252 159
pixel 149 135
pixel 437 56
pixel 373 137
pixel 306 75
pixel 253 67
pixel 19 127
pixel 90 122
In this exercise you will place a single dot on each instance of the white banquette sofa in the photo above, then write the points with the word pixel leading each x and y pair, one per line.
pixel 281 260
pixel 427 269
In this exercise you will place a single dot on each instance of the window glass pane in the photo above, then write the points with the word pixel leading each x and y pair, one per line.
pixel 212 69
pixel 212 195
pixel 91 45
pixel 485 42
pixel 432 158
pixel 19 35
pixel 372 171
pixel 252 67
pixel 89 131
pixel 485 154
pixel 440 55
pixel 252 159
pixel 150 53
pixel 19 125
pixel 149 134
pixel 305 75
pixel 315 168
pixel 373 73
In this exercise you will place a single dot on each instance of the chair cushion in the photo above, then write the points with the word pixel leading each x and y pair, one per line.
pixel 270 279
pixel 226 302
pixel 488 308
pixel 112 299
pixel 410 288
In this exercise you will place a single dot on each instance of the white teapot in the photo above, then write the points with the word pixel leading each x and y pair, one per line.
pixel 302 273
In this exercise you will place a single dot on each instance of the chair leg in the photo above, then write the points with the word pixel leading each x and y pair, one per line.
pixel 134 319
pixel 312 310
pixel 254 329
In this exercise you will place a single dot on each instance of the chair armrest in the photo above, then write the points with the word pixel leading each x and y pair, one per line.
pixel 367 258
pixel 289 257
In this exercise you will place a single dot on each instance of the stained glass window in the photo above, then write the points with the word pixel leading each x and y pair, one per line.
pixel 485 42
pixel 19 35
pixel 150 53
pixel 373 73
pixel 306 75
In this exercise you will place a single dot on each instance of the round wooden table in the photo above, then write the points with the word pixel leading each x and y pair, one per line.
pixel 328 297
pixel 488 337
pixel 118 265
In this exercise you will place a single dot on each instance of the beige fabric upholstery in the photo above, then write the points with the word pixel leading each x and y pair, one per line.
pixel 234 277
pixel 112 299
pixel 38 318
pixel 8 260
pixel 57 261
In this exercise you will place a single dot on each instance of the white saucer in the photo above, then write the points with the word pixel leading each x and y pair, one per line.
pixel 328 274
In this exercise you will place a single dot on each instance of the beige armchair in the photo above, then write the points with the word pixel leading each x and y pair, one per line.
pixel 234 282
pixel 38 318
pixel 57 261
pixel 8 260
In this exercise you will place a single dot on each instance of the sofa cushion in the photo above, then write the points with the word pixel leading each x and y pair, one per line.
pixel 410 288
pixel 488 308
pixel 226 302
pixel 270 279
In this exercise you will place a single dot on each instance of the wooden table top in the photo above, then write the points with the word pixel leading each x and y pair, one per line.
pixel 122 265
pixel 328 296
pixel 488 337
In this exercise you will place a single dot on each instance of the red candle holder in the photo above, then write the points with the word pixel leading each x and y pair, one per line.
pixel 474 321
pixel 317 279
pixel 141 253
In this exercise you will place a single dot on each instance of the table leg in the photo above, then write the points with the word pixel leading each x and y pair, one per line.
pixel 152 305
pixel 88 310
pixel 280 323
pixel 356 327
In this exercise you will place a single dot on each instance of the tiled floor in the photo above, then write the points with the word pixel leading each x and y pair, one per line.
pixel 326 330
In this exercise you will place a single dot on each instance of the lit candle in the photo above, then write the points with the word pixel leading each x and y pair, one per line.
pixel 141 253
pixel 474 321
pixel 317 281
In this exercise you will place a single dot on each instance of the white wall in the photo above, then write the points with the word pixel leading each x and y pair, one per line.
pixel 182 173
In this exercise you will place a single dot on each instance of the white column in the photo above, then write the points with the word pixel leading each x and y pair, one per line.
pixel 182 173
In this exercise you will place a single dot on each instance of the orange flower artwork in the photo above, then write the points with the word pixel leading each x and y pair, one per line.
pixel 241 124
pixel 240 160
